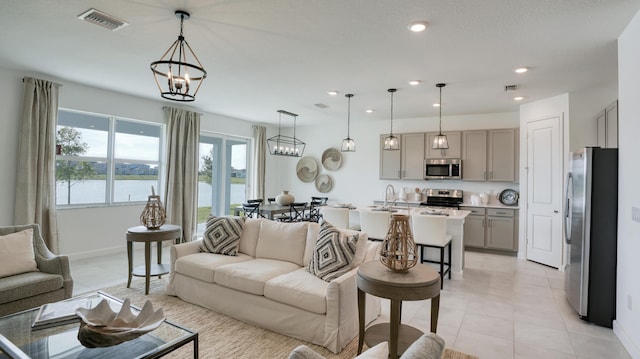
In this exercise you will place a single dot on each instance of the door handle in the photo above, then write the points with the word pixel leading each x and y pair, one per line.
pixel 567 215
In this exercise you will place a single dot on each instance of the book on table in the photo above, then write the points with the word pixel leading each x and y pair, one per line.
pixel 64 311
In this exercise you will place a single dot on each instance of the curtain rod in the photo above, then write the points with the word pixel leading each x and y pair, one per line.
pixel 35 78
pixel 169 107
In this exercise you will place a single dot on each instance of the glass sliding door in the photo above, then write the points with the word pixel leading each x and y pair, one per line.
pixel 222 175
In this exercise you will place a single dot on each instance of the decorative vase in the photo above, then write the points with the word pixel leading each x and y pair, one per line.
pixel 403 194
pixel 398 250
pixel 284 198
pixel 153 216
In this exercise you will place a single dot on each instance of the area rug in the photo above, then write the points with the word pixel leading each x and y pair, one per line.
pixel 224 337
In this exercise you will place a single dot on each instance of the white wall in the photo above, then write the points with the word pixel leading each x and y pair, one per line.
pixel 627 323
pixel 92 230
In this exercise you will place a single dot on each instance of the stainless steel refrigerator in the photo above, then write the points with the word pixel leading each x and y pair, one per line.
pixel 590 231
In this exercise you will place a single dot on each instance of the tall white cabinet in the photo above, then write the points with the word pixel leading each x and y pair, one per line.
pixel 607 126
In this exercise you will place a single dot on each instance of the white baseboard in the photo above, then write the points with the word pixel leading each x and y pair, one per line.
pixel 98 253
pixel 626 341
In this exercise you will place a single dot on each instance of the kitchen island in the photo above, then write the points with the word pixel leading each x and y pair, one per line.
pixel 455 227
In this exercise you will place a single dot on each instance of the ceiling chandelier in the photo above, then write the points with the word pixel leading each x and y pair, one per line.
pixel 440 141
pixel 174 71
pixel 391 142
pixel 282 145
pixel 348 145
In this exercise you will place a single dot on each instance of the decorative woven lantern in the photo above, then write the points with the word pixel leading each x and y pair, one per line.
pixel 153 215
pixel 398 251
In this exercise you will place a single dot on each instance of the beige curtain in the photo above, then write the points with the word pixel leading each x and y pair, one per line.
pixel 36 182
pixel 259 155
pixel 181 189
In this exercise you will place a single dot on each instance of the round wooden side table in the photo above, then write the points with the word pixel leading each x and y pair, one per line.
pixel 420 282
pixel 147 236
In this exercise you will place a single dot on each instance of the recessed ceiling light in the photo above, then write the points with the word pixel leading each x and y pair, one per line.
pixel 370 110
pixel 518 98
pixel 418 26
pixel 521 70
pixel 332 92
pixel 414 82
pixel 436 105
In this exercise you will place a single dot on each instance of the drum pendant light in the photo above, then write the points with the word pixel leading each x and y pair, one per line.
pixel 348 145
pixel 391 142
pixel 440 141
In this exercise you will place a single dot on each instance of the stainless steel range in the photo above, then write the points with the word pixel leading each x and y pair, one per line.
pixel 443 198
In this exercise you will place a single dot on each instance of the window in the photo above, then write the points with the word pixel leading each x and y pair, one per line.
pixel 222 176
pixel 104 159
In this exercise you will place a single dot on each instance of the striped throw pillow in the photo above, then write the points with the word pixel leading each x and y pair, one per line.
pixel 222 235
pixel 333 253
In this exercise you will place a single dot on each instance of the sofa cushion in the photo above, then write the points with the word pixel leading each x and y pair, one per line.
pixel 202 266
pixel 16 253
pixel 249 237
pixel 28 284
pixel 300 289
pixel 282 241
pixel 333 253
pixel 222 235
pixel 251 276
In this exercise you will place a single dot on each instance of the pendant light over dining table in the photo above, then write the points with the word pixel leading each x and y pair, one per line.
pixel 440 141
pixel 348 145
pixel 391 142
pixel 282 145
pixel 177 79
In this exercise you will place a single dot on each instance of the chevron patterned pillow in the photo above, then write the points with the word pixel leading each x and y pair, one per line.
pixel 222 235
pixel 333 253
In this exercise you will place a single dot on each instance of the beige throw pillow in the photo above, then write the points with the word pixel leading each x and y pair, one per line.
pixel 16 253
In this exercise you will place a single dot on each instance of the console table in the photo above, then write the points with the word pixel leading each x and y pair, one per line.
pixel 147 236
pixel 420 282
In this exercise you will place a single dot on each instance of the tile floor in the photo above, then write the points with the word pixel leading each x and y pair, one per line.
pixel 504 308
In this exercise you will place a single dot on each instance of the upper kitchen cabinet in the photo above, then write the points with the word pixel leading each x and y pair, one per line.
pixel 454 150
pixel 474 155
pixel 502 153
pixel 607 126
pixel 389 161
pixel 412 156
pixel 489 155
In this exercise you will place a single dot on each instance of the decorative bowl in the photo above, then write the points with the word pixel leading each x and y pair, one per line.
pixel 102 327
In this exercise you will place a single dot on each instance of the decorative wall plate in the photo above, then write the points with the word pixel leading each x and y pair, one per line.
pixel 324 183
pixel 331 159
pixel 307 169
pixel 508 197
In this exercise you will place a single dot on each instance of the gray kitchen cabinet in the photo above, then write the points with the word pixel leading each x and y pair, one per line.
pixel 412 156
pixel 501 231
pixel 474 227
pixel 454 138
pixel 474 155
pixel 489 155
pixel 389 161
pixel 607 126
pixel 501 166
pixel 491 228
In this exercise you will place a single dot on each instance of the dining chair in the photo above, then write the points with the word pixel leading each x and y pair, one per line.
pixel 271 200
pixel 338 217
pixel 252 210
pixel 296 213
pixel 314 208
pixel 430 231
pixel 375 223
pixel 258 200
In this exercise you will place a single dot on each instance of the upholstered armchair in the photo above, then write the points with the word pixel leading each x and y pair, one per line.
pixel 49 280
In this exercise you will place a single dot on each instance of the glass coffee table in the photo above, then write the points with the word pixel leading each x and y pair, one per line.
pixel 18 340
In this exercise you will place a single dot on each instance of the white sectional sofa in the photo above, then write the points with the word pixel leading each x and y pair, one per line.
pixel 267 283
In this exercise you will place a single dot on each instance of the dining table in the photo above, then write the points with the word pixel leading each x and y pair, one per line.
pixel 267 210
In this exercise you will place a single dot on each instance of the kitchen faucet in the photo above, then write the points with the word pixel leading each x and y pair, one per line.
pixel 386 194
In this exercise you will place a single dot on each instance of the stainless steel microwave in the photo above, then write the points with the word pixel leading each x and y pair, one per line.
pixel 445 168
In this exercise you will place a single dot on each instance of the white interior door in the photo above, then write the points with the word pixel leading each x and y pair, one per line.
pixel 544 191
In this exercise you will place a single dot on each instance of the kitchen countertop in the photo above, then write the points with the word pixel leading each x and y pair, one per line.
pixel 400 204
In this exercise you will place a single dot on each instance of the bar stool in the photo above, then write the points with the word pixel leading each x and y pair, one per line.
pixel 430 231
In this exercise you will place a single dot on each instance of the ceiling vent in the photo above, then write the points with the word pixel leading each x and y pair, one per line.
pixel 321 106
pixel 508 88
pixel 99 18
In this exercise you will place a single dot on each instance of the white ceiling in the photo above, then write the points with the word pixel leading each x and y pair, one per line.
pixel 265 55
